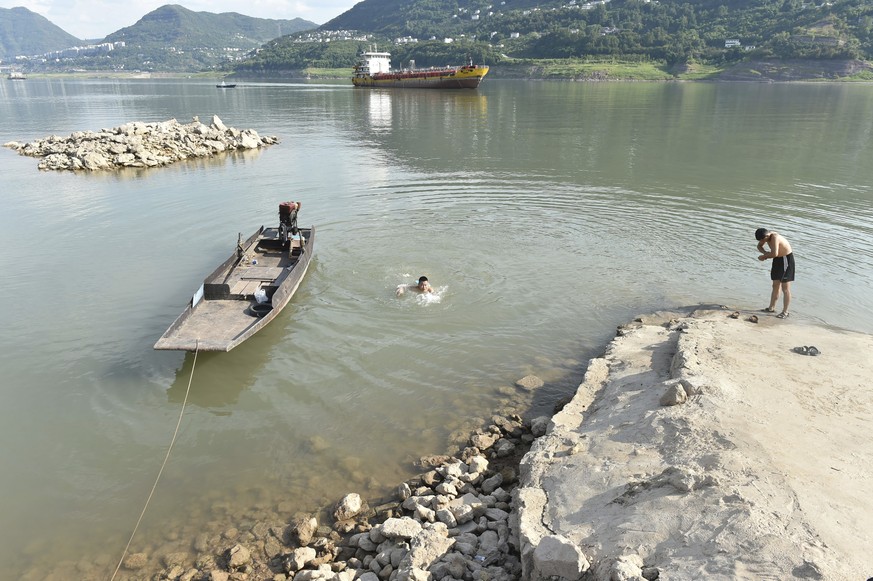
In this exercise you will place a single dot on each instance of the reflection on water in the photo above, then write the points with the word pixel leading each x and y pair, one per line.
pixel 220 378
pixel 545 215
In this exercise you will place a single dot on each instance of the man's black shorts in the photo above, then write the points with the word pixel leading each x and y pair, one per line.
pixel 783 268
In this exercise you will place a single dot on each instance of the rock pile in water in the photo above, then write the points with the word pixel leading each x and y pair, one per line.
pixel 450 523
pixel 139 145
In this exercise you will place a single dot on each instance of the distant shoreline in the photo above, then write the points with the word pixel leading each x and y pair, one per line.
pixel 564 70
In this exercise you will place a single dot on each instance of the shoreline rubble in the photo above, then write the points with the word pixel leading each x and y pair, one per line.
pixel 452 521
pixel 139 145
pixel 691 448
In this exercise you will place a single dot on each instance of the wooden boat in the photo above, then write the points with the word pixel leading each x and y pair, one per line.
pixel 225 310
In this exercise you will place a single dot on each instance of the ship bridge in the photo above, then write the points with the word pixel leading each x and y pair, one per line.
pixel 373 63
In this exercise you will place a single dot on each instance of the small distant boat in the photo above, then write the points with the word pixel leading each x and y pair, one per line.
pixel 224 85
pixel 247 290
pixel 16 76
pixel 374 70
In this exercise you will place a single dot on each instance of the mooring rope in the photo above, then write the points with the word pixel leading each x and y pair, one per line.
pixel 161 471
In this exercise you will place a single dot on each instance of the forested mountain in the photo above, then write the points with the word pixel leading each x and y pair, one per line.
pixel 669 31
pixel 170 38
pixel 674 30
pixel 23 32
pixel 174 25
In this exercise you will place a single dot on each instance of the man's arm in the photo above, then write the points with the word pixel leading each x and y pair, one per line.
pixel 761 244
pixel 772 241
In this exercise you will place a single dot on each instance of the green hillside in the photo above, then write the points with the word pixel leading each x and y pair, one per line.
pixel 670 30
pixel 23 32
pixel 184 29
pixel 173 38
pixel 672 35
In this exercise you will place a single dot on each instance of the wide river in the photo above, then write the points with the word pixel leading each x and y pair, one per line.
pixel 545 214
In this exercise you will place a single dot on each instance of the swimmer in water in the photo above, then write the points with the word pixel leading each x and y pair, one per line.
pixel 422 287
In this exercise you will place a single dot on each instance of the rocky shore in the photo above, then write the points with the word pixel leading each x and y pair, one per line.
pixel 139 145
pixel 712 443
pixel 702 444
pixel 452 522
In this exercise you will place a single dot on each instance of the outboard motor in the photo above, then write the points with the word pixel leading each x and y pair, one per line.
pixel 288 220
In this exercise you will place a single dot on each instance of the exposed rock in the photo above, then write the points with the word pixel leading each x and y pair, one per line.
pixel 424 549
pixel 349 507
pixel 138 145
pixel 484 441
pixel 403 492
pixel 404 528
pixel 674 395
pixel 539 425
pixel 557 556
pixel 299 558
pixel 302 528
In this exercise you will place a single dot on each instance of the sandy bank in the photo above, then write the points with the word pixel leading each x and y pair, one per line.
pixel 762 473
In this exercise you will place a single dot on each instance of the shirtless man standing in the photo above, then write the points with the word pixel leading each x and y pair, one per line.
pixel 782 271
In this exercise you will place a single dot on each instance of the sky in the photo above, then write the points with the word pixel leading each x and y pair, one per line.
pixel 94 19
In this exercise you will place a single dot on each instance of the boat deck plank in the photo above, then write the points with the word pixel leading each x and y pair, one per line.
pixel 260 273
pixel 245 287
pixel 216 323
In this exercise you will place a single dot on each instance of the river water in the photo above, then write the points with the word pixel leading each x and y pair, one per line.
pixel 546 214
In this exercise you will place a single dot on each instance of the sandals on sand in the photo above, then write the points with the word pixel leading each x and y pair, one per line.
pixel 768 310
pixel 753 319
pixel 734 315
pixel 811 350
pixel 783 315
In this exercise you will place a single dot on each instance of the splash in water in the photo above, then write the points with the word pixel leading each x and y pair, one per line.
pixel 431 298
pixel 411 291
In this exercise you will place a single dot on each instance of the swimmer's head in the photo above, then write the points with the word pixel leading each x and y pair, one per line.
pixel 760 233
pixel 423 285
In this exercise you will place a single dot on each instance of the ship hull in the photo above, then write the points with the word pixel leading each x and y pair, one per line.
pixel 464 78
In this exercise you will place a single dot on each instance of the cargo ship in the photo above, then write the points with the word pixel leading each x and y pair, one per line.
pixel 374 70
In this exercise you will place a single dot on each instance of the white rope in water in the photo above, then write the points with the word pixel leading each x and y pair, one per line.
pixel 161 471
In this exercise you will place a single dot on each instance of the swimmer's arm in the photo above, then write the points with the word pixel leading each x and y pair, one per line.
pixel 401 288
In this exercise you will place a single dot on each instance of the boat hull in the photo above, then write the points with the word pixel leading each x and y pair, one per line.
pixel 222 314
pixel 461 78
